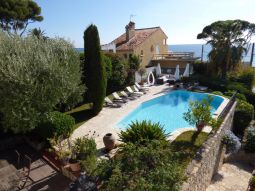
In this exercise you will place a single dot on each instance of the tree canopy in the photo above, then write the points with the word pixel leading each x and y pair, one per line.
pixel 16 15
pixel 36 77
pixel 229 40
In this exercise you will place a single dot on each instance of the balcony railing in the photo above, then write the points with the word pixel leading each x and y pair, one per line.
pixel 174 56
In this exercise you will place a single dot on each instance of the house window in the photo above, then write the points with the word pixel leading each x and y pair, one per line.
pixel 164 41
pixel 152 48
pixel 125 56
pixel 141 52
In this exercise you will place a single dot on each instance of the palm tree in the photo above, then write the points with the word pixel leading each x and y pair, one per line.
pixel 229 40
pixel 40 34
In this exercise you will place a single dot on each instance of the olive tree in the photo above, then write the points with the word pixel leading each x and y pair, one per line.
pixel 229 40
pixel 36 76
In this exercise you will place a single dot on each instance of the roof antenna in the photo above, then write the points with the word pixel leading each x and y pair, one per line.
pixel 131 16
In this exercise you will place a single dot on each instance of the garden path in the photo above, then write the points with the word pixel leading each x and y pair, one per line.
pixel 232 177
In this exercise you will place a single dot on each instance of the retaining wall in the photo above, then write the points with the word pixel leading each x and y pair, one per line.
pixel 208 159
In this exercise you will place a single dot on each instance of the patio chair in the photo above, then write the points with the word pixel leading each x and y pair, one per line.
pixel 125 95
pixel 142 88
pixel 109 103
pixel 131 92
pixel 118 98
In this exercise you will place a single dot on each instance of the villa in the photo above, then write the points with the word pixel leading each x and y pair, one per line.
pixel 151 45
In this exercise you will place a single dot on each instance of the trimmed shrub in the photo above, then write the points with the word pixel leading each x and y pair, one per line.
pixel 238 95
pixel 217 93
pixel 243 115
pixel 94 69
pixel 60 124
pixel 143 132
pixel 249 143
pixel 149 167
pixel 250 96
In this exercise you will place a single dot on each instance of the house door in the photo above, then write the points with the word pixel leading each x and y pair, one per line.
pixel 157 49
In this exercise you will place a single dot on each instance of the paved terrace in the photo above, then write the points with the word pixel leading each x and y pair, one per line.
pixel 106 120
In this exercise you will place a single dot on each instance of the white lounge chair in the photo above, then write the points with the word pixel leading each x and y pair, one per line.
pixel 125 95
pixel 142 88
pixel 136 90
pixel 109 103
pixel 130 91
pixel 118 98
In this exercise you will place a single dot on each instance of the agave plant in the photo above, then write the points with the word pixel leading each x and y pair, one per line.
pixel 142 132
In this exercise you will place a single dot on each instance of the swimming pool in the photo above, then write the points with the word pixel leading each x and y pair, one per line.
pixel 168 109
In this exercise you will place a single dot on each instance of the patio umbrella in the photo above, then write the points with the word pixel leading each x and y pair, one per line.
pixel 177 72
pixel 158 70
pixel 186 72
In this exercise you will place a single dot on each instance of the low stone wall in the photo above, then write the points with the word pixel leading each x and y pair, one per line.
pixel 208 159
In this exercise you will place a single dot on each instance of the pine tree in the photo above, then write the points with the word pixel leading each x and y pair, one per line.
pixel 94 69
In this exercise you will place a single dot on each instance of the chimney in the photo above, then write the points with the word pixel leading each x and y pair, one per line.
pixel 130 30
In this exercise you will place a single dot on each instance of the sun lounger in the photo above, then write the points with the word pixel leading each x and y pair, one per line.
pixel 118 98
pixel 130 91
pixel 136 90
pixel 125 95
pixel 141 88
pixel 109 103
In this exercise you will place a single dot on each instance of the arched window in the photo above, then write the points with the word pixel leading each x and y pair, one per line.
pixel 141 52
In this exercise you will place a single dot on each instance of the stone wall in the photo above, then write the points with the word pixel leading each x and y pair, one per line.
pixel 208 159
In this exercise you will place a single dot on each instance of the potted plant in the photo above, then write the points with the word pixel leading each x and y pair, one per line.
pixel 142 71
pixel 199 113
pixel 74 163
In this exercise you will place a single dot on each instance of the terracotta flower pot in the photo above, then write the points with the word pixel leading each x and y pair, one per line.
pixel 109 141
pixel 200 126
pixel 74 166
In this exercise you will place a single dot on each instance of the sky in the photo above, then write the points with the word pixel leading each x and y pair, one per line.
pixel 181 20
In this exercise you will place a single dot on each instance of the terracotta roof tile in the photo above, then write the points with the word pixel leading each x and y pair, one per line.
pixel 136 40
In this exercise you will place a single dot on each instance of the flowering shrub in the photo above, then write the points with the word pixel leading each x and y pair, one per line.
pixel 232 142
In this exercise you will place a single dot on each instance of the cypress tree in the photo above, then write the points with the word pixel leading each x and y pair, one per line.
pixel 94 69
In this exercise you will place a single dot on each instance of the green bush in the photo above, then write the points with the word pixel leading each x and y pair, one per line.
pixel 250 96
pixel 142 132
pixel 249 144
pixel 235 86
pixel 238 95
pixel 149 167
pixel 85 147
pixel 108 66
pixel 60 124
pixel 243 115
pixel 117 80
pixel 36 77
pixel 199 67
pixel 94 69
pixel 217 93
pixel 89 164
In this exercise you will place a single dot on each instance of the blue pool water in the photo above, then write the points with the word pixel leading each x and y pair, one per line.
pixel 168 109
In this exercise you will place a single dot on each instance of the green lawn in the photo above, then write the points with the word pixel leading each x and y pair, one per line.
pixel 81 114
pixel 187 144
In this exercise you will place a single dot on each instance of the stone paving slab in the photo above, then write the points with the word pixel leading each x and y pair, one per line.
pixel 231 177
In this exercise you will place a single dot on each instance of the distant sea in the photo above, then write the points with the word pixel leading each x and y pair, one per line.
pixel 197 49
